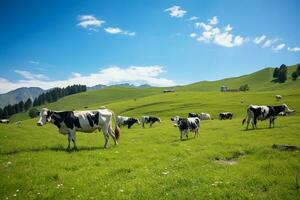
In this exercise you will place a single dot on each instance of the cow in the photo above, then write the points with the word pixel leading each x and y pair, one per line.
pixel 225 115
pixel 68 122
pixel 201 116
pixel 126 121
pixel 278 97
pixel 149 120
pixel 255 113
pixel 185 125
pixel 204 116
pixel 4 121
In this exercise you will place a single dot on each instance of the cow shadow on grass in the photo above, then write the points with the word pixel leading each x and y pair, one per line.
pixel 45 148
pixel 261 128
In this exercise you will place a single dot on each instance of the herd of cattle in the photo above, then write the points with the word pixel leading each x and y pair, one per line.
pixel 68 122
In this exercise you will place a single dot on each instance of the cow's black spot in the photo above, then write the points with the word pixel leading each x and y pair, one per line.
pixel 90 119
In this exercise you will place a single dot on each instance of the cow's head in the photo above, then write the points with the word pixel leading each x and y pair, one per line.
pixel 286 109
pixel 45 116
pixel 176 120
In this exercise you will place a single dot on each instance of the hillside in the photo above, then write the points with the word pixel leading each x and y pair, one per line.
pixel 258 81
pixel 19 94
pixel 261 80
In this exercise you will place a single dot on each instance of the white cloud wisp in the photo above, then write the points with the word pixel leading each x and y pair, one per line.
pixel 112 75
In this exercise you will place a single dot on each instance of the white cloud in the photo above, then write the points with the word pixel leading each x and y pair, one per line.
pixel 228 40
pixel 294 49
pixel 108 76
pixel 175 11
pixel 193 18
pixel 202 25
pixel 34 62
pixel 278 47
pixel 260 39
pixel 192 35
pixel 228 28
pixel 30 76
pixel 89 22
pixel 223 37
pixel 116 30
pixel 213 21
pixel 267 43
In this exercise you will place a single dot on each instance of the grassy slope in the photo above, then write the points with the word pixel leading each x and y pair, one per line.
pixel 96 98
pixel 258 81
pixel 153 163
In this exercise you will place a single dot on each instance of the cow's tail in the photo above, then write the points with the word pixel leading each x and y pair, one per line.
pixel 117 128
pixel 244 120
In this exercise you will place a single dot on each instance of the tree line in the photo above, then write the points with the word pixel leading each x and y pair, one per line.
pixel 47 97
pixel 281 73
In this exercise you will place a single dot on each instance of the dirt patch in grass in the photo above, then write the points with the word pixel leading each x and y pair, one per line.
pixel 225 162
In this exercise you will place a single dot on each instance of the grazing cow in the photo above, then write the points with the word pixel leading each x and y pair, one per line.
pixel 149 120
pixel 225 115
pixel 187 124
pixel 278 97
pixel 255 113
pixel 204 116
pixel 126 121
pixel 68 122
pixel 193 115
pixel 4 121
pixel 201 116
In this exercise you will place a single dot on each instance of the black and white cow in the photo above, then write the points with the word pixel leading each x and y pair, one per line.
pixel 201 116
pixel 185 125
pixel 4 121
pixel 68 122
pixel 126 121
pixel 255 113
pixel 225 115
pixel 149 120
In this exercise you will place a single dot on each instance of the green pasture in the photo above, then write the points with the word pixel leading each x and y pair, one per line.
pixel 225 162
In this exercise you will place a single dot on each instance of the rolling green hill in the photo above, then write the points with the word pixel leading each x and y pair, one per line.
pixel 261 80
pixel 258 81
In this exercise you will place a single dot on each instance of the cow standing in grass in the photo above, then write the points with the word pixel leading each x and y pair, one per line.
pixel 255 113
pixel 185 125
pixel 68 122
pixel 126 121
pixel 149 120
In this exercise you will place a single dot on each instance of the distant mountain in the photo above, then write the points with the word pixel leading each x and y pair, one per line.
pixel 145 86
pixel 19 94
pixel 96 87
pixel 100 86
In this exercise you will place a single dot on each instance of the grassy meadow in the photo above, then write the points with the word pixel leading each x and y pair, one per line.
pixel 225 162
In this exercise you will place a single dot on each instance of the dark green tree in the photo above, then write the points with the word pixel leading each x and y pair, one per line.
pixel 28 104
pixel 1 113
pixel 282 75
pixel 21 106
pixel 294 75
pixel 33 112
pixel 275 73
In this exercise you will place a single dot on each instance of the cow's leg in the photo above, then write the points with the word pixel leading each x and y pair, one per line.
pixel 69 141
pixel 248 122
pixel 112 134
pixel 143 125
pixel 151 124
pixel 181 133
pixel 72 137
pixel 106 136
pixel 255 122
pixel 270 123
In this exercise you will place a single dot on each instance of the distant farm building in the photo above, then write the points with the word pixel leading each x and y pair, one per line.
pixel 224 88
pixel 168 90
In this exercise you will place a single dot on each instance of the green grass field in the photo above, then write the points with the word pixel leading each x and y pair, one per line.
pixel 152 163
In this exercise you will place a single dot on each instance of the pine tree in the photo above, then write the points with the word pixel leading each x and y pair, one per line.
pixel 275 73
pixel 1 113
pixel 21 106
pixel 28 104
pixel 282 75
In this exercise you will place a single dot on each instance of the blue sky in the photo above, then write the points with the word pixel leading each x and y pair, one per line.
pixel 56 43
